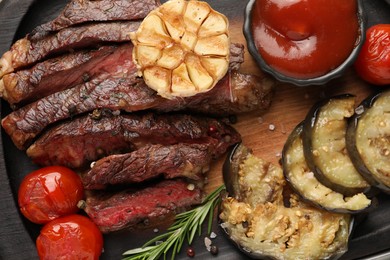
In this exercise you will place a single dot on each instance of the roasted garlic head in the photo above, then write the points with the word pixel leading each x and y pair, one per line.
pixel 182 48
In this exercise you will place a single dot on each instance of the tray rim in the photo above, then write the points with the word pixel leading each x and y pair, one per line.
pixel 13 232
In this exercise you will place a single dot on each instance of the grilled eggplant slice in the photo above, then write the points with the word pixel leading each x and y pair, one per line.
pixel 232 163
pixel 368 140
pixel 304 182
pixel 324 145
pixel 260 222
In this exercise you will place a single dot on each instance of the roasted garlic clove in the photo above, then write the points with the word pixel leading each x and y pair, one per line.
pixel 182 48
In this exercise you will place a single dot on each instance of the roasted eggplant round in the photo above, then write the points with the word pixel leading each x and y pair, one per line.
pixel 324 145
pixel 368 140
pixel 304 182
pixel 266 220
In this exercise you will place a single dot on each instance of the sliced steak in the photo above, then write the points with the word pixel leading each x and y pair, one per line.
pixel 24 124
pixel 148 162
pixel 68 70
pixel 236 93
pixel 25 52
pixel 81 11
pixel 77 142
pixel 236 57
pixel 132 208
pixel 61 73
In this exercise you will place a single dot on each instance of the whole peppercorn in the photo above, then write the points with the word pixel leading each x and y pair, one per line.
pixel 233 119
pixel 214 250
pixel 190 252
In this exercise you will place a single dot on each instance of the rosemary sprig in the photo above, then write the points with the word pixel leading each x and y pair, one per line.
pixel 185 226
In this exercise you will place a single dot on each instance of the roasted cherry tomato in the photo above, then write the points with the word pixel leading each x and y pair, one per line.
pixel 48 193
pixel 70 237
pixel 373 62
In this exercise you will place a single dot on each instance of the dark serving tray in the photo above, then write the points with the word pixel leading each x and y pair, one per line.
pixel 370 240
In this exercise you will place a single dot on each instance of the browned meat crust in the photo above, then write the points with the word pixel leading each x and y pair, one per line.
pixel 82 140
pixel 26 53
pixel 24 124
pixel 65 71
pixel 236 57
pixel 116 211
pixel 81 11
pixel 236 93
pixel 171 161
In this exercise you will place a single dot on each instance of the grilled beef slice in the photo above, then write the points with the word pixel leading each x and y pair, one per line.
pixel 25 53
pixel 68 70
pixel 148 162
pixel 82 11
pixel 24 124
pixel 236 57
pixel 132 208
pixel 236 93
pixel 77 142
pixel 61 73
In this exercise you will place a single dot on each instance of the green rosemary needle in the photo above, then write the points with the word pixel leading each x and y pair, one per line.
pixel 185 226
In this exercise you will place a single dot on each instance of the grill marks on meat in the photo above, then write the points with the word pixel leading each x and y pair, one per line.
pixel 60 73
pixel 81 11
pixel 65 71
pixel 77 142
pixel 102 91
pixel 138 147
pixel 24 124
pixel 151 161
pixel 236 93
pixel 112 212
pixel 236 57
pixel 26 52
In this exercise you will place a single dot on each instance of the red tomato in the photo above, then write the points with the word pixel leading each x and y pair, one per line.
pixel 70 237
pixel 48 193
pixel 373 62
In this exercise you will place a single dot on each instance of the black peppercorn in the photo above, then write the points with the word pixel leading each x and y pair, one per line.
pixel 233 119
pixel 214 250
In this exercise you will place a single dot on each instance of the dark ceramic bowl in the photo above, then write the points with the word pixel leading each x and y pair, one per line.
pixel 337 72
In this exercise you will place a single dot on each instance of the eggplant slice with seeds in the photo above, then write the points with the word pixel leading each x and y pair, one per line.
pixel 259 221
pixel 304 182
pixel 368 140
pixel 324 145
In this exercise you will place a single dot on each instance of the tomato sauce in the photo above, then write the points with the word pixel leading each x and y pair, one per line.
pixel 305 38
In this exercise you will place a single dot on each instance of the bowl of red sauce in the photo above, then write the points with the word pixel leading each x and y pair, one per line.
pixel 304 42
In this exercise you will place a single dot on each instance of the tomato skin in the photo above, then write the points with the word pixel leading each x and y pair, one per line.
pixel 373 61
pixel 48 193
pixel 70 237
